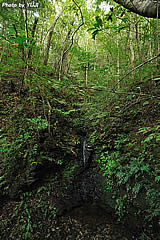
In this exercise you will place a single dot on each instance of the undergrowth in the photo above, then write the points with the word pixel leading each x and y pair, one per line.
pixel 31 217
pixel 127 136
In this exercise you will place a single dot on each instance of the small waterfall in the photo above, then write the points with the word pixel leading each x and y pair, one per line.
pixel 84 151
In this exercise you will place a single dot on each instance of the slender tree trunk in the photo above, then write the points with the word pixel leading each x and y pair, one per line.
pixel 68 65
pixel 87 66
pixel 63 54
pixel 49 40
pixel 27 51
pixel 32 39
pixel 50 37
pixel 41 38
pixel 118 64
pixel 150 39
pixel 95 44
pixel 131 46
pixel 158 46
pixel 137 38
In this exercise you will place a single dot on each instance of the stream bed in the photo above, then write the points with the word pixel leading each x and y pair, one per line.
pixel 82 213
pixel 83 224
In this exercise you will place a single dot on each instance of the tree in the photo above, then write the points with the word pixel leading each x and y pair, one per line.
pixel 50 37
pixel 146 8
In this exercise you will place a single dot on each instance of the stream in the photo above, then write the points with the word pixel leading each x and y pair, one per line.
pixel 82 213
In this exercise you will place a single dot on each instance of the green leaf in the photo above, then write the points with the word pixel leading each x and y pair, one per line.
pixel 157 179
pixel 156 79
pixel 149 138
pixel 145 103
pixel 145 168
pixel 124 19
pixel 99 21
pixel 158 138
pixel 89 29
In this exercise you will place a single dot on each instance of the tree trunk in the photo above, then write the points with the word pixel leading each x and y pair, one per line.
pixel 146 8
pixel 50 37
pixel 49 40
pixel 64 53
pixel 87 66
pixel 27 51
pixel 32 39
pixel 118 58
pixel 131 45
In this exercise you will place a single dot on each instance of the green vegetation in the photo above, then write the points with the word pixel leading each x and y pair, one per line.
pixel 68 68
pixel 35 210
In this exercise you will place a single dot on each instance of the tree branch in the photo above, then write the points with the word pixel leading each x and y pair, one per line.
pixel 139 66
pixel 76 28
pixel 145 8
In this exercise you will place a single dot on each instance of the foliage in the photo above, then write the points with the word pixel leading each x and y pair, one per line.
pixel 130 164
pixel 19 149
pixel 32 214
pixel 29 119
pixel 68 172
pixel 83 88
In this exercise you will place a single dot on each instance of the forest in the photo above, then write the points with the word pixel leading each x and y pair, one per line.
pixel 79 120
